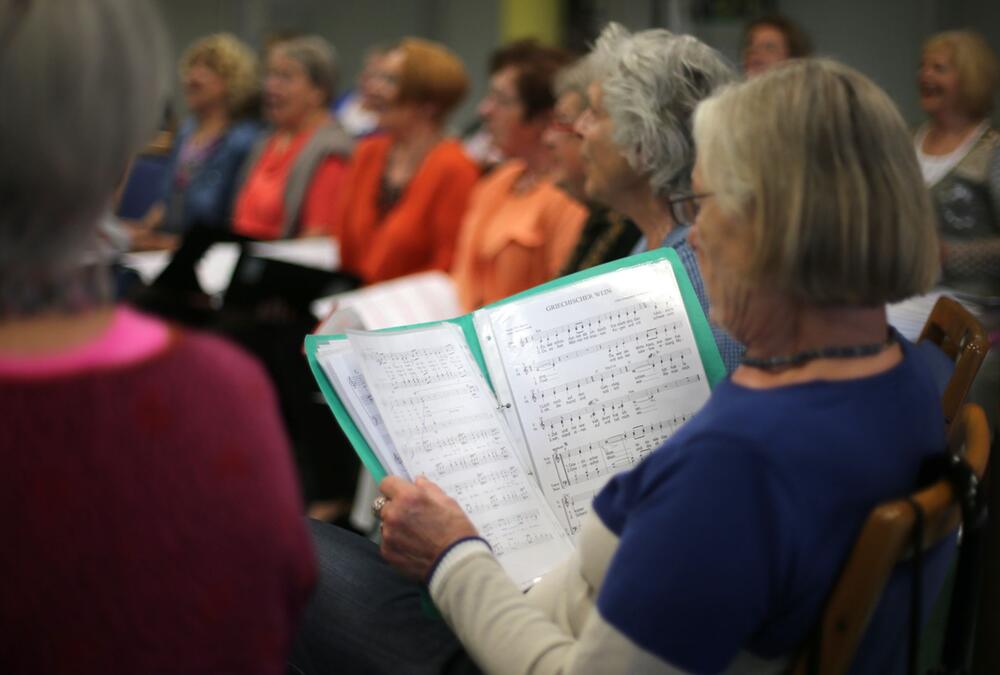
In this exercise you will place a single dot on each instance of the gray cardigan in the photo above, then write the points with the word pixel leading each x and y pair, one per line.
pixel 330 139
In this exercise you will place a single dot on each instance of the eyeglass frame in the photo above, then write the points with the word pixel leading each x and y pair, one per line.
pixel 679 215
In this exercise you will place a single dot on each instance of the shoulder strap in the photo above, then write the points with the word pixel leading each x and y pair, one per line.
pixel 328 140
pixel 250 162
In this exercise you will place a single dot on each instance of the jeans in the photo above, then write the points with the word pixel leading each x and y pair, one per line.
pixel 364 617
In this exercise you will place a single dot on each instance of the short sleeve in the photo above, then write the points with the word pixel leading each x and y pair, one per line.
pixel 693 575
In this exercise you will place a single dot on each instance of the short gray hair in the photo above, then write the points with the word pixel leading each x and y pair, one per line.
pixel 818 167
pixel 575 77
pixel 318 58
pixel 83 84
pixel 652 81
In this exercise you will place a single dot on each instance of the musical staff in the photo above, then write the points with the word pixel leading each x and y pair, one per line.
pixel 621 317
pixel 573 508
pixel 652 335
pixel 608 456
pixel 445 424
pixel 642 396
pixel 602 381
pixel 652 362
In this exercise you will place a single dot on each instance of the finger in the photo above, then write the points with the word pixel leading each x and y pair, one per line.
pixel 393 486
pixel 429 485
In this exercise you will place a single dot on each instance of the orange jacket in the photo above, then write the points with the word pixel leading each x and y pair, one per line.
pixel 419 232
pixel 259 211
pixel 511 242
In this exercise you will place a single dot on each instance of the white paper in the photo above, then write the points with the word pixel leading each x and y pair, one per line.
pixel 419 298
pixel 600 373
pixel 147 264
pixel 322 253
pixel 445 425
pixel 341 366
pixel 215 269
pixel 910 315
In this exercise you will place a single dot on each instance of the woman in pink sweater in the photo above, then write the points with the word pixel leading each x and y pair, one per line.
pixel 148 505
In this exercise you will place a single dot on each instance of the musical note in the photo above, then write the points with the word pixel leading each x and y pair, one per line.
pixel 599 379
pixel 599 407
pixel 446 425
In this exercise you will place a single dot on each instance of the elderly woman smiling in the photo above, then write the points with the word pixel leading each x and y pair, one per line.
pixel 716 553
pixel 637 144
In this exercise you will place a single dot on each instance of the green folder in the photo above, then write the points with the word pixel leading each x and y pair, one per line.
pixel 707 349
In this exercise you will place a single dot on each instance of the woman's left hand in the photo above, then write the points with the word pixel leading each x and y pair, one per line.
pixel 419 521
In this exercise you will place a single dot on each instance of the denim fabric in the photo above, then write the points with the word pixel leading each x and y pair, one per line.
pixel 364 617
pixel 208 199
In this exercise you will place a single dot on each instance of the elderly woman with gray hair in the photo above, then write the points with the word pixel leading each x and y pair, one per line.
pixel 293 176
pixel 637 144
pixel 149 506
pixel 717 552
pixel 606 235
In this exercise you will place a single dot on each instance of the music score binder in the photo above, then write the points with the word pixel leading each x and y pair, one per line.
pixel 524 409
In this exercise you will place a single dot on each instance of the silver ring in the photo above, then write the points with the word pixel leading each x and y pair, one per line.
pixel 378 505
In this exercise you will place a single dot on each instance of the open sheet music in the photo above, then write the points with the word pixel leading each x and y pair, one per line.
pixel 522 411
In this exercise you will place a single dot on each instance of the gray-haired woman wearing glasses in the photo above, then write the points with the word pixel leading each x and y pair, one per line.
pixel 637 145
pixel 716 553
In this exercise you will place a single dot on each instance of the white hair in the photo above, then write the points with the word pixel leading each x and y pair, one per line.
pixel 83 83
pixel 575 77
pixel 652 81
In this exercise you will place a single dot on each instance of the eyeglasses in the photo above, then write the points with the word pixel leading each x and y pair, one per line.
pixel 684 208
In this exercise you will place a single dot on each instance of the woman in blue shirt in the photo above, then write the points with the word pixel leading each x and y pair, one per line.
pixel 716 553
pixel 219 76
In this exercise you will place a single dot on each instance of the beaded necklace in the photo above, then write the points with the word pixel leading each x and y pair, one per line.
pixel 799 358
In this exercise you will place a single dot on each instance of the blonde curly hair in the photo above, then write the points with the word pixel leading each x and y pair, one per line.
pixel 232 60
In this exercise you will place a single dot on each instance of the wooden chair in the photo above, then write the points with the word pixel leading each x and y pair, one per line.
pixel 962 338
pixel 884 541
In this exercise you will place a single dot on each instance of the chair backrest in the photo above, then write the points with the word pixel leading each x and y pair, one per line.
pixel 962 338
pixel 884 541
pixel 144 186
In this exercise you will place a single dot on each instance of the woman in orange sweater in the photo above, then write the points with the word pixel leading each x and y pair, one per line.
pixel 520 228
pixel 407 188
pixel 293 175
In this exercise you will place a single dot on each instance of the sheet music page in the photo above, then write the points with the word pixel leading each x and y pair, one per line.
pixel 501 388
pixel 214 270
pixel 445 425
pixel 418 298
pixel 341 366
pixel 909 316
pixel 600 373
pixel 322 253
